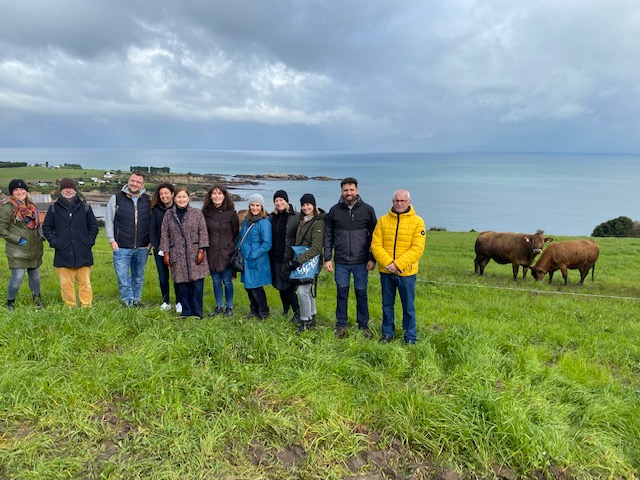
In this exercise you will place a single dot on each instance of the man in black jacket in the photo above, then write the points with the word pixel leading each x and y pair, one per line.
pixel 348 230
pixel 71 228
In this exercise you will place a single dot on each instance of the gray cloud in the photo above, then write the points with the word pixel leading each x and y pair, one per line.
pixel 405 75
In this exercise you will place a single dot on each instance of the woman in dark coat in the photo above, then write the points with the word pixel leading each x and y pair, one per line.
pixel 20 227
pixel 222 226
pixel 184 240
pixel 284 223
pixel 161 202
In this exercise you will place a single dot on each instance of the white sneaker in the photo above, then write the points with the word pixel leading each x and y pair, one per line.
pixel 178 308
pixel 165 306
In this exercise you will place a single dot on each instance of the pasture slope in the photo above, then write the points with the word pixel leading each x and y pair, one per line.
pixel 507 380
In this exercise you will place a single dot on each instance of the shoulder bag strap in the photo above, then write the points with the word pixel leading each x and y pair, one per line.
pixel 245 235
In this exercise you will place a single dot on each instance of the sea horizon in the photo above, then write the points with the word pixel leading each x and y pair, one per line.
pixel 560 193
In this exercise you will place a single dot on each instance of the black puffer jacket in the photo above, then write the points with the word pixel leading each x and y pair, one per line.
pixel 348 232
pixel 71 229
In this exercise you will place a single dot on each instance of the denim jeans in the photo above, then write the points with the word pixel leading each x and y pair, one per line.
pixel 129 265
pixel 219 279
pixel 342 274
pixel 406 287
pixel 17 275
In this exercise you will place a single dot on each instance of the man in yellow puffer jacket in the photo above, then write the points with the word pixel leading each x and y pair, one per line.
pixel 397 245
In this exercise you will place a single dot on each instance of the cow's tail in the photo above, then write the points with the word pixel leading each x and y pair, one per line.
pixel 593 271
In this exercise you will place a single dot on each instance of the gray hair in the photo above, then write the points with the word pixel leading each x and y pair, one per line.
pixel 395 194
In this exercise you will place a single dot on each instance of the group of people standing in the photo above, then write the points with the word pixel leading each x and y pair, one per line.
pixel 189 244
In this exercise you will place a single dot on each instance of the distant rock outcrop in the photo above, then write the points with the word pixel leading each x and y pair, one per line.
pixel 280 176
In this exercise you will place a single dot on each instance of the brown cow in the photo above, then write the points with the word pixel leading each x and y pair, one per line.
pixel 515 248
pixel 575 254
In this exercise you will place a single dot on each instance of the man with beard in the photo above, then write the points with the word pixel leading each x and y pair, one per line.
pixel 126 222
pixel 347 234
pixel 71 228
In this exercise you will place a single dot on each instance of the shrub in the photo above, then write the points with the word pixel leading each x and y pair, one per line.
pixel 617 227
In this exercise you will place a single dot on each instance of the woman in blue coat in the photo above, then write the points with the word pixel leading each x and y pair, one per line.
pixel 254 247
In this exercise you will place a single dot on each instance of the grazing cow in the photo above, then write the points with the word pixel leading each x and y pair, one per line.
pixel 515 248
pixel 575 254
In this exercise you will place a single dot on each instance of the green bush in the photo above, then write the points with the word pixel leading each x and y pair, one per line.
pixel 617 227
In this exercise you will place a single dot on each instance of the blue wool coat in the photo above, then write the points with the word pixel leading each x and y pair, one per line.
pixel 255 251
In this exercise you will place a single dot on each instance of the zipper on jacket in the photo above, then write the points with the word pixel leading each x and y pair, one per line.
pixel 395 238
pixel 135 224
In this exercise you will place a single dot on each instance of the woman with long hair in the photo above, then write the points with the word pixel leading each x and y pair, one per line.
pixel 161 202
pixel 254 242
pixel 284 224
pixel 184 241
pixel 20 227
pixel 222 226
pixel 310 234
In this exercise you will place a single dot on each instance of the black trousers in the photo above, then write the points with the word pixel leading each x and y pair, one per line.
pixel 258 301
pixel 191 295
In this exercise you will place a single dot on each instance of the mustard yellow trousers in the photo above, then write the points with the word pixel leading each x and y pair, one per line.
pixel 68 277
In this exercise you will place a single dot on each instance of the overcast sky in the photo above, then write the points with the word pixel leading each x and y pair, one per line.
pixel 358 75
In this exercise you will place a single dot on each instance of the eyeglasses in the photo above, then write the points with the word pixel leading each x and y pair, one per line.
pixel 396 200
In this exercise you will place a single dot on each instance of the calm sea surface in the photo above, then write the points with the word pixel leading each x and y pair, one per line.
pixel 562 194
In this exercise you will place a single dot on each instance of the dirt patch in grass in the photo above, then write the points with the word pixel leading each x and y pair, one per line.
pixel 112 416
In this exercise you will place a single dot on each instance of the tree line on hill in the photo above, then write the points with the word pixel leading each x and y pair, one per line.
pixel 12 164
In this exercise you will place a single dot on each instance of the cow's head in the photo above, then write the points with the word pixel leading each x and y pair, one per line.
pixel 537 241
pixel 537 273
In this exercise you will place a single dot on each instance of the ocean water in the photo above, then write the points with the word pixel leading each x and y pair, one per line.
pixel 562 194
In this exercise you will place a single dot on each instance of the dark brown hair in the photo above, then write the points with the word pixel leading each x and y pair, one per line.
pixel 348 180
pixel 155 199
pixel 227 203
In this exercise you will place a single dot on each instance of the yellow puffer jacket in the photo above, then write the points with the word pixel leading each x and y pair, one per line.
pixel 399 239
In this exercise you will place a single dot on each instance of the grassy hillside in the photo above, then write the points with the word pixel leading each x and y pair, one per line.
pixel 42 174
pixel 507 380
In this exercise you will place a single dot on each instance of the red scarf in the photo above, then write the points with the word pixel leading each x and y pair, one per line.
pixel 26 214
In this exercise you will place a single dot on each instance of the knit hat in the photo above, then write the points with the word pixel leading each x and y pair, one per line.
pixel 281 194
pixel 256 198
pixel 68 183
pixel 308 198
pixel 17 183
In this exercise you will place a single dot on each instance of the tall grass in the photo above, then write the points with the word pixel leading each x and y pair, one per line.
pixel 507 379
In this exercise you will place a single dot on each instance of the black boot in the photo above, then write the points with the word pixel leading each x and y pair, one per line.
pixel 11 304
pixel 312 322
pixel 296 316
pixel 302 326
pixel 37 301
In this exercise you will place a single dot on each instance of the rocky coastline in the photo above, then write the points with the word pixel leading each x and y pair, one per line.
pixel 198 184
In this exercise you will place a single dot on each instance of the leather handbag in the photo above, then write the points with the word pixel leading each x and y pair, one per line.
pixel 236 262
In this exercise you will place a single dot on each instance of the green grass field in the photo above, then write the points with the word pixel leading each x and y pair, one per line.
pixel 42 174
pixel 507 380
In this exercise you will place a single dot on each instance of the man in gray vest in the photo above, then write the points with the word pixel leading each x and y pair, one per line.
pixel 126 223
